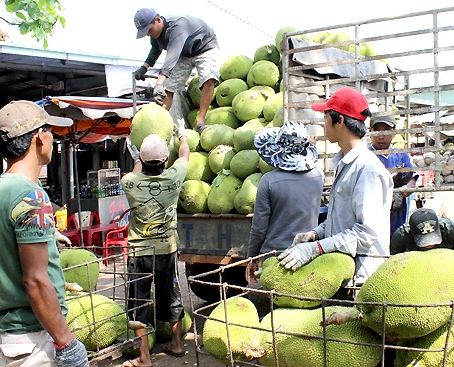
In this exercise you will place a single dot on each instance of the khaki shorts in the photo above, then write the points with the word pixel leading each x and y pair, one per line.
pixel 206 65
pixel 27 350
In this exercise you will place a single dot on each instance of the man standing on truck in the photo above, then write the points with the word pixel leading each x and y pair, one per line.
pixel 360 198
pixel 293 190
pixel 189 43
pixel 424 231
pixel 393 160
pixel 152 192
pixel 33 329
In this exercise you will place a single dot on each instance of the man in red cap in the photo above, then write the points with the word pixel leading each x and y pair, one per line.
pixel 360 198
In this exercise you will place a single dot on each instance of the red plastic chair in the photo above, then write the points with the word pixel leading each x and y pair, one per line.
pixel 88 219
pixel 117 238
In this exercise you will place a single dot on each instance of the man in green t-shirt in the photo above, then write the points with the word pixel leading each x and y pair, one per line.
pixel 152 192
pixel 424 231
pixel 33 329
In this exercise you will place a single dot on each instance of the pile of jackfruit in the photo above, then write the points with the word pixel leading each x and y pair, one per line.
pixel 407 302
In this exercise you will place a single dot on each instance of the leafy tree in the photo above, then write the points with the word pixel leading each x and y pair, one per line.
pixel 37 17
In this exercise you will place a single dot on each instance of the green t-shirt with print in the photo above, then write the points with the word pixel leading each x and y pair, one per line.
pixel 26 217
pixel 153 202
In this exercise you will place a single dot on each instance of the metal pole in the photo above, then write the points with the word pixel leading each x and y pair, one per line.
pixel 79 207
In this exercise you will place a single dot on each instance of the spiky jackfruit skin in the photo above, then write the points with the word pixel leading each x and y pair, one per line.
pixel 151 119
pixel 164 332
pixel 220 156
pixel 193 196
pixel 215 135
pixel 84 275
pixel 244 163
pixel 308 350
pixel 244 340
pixel 322 277
pixel 223 191
pixel 434 340
pixel 245 198
pixel 108 324
pixel 417 278
pixel 135 352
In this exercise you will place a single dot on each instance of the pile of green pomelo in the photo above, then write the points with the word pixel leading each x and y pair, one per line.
pixel 225 168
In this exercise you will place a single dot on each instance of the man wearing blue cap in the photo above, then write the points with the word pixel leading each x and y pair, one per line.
pixel 189 43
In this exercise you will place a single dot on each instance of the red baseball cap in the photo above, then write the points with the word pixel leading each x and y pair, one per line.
pixel 347 101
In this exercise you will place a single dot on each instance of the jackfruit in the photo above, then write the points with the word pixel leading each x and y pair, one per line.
pixel 319 37
pixel 84 275
pixel 307 348
pixel 109 322
pixel 195 92
pixel 236 66
pixel 432 341
pixel 248 105
pixel 267 52
pixel 417 278
pixel 193 114
pixel 245 163
pixel 266 90
pixel 219 157
pixel 263 73
pixel 151 119
pixel 193 196
pixel 173 156
pixel 245 198
pixel 264 167
pixel 243 137
pixel 198 167
pixel 223 190
pixel 278 119
pixel 222 116
pixel 193 138
pixel 135 352
pixel 243 340
pixel 322 277
pixel 215 135
pixel 272 104
pixel 337 37
pixel 164 332
pixel 228 89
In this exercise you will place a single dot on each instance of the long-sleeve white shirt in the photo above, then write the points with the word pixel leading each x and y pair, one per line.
pixel 358 213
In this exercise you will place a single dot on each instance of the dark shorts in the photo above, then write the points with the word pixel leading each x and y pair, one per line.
pixel 166 288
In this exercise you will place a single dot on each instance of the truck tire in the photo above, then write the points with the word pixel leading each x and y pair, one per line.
pixel 210 293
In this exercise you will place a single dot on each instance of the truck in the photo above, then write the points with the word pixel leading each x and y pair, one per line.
pixel 410 78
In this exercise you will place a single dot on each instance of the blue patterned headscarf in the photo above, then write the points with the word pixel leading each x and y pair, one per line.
pixel 287 148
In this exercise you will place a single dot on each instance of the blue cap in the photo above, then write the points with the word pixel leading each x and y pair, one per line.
pixel 143 19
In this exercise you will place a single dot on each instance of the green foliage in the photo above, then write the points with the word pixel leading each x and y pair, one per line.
pixel 37 17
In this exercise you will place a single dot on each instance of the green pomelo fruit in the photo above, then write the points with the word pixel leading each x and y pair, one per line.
pixel 86 275
pixel 222 116
pixel 219 157
pixel 198 167
pixel 109 322
pixel 271 106
pixel 322 277
pixel 245 199
pixel 266 90
pixel 228 89
pixel 319 37
pixel 300 340
pixel 278 119
pixel 264 167
pixel 245 163
pixel 236 66
pixel 416 278
pixel 215 135
pixel 243 338
pixel 193 196
pixel 135 352
pixel 193 138
pixel 337 37
pixel 263 73
pixel 248 105
pixel 267 52
pixel 243 137
pixel 164 332
pixel 151 119
pixel 286 29
pixel 223 190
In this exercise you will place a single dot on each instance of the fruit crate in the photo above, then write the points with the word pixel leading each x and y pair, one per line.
pixel 110 293
pixel 382 347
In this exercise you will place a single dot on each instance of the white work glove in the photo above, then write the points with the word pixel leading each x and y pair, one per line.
pixel 296 256
pixel 397 201
pixel 179 129
pixel 305 237
pixel 61 239
pixel 133 151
